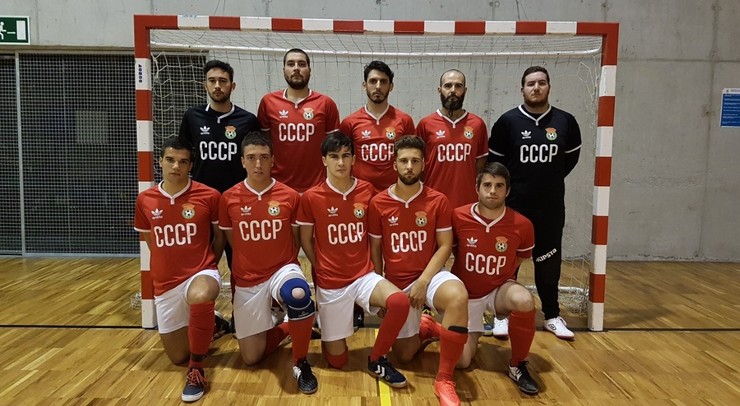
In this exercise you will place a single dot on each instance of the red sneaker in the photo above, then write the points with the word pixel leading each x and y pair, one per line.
pixel 445 391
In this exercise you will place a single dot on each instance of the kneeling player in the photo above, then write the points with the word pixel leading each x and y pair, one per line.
pixel 411 233
pixel 178 219
pixel 491 242
pixel 258 216
pixel 333 219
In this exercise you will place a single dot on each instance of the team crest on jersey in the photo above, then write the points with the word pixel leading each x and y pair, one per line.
pixel 468 132
pixel 551 133
pixel 230 132
pixel 307 113
pixel 273 207
pixel 421 218
pixel 390 133
pixel 502 244
pixel 188 210
pixel 359 210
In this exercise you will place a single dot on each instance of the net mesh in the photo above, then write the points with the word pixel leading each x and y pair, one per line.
pixel 492 64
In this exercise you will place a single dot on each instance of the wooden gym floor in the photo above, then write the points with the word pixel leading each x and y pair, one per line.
pixel 69 336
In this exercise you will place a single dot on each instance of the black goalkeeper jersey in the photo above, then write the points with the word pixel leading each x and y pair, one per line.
pixel 539 153
pixel 216 138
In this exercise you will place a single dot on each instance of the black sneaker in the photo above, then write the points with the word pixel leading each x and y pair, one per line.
pixel 382 369
pixel 520 375
pixel 222 327
pixel 358 321
pixel 195 385
pixel 307 382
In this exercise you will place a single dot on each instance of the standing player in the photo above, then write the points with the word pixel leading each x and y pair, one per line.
pixel 297 119
pixel 410 230
pixel 178 219
pixel 491 241
pixel 540 145
pixel 216 131
pixel 333 220
pixel 258 216
pixel 456 142
pixel 375 127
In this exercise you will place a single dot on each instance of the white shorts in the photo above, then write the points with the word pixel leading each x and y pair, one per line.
pixel 411 326
pixel 476 308
pixel 173 309
pixel 252 305
pixel 335 306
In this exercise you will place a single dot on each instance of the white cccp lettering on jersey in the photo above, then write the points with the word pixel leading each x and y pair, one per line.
pixel 537 153
pixel 260 230
pixel 292 132
pixel 453 152
pixel 376 152
pixel 174 234
pixel 345 233
pixel 484 264
pixel 217 151
pixel 408 241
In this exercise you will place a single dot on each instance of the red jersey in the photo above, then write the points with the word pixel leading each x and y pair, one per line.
pixel 261 224
pixel 409 230
pixel 297 130
pixel 180 228
pixel 373 139
pixel 340 232
pixel 452 147
pixel 486 250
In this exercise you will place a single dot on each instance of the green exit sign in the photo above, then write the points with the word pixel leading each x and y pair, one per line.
pixel 14 30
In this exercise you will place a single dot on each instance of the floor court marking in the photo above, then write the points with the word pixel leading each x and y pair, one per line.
pixel 383 389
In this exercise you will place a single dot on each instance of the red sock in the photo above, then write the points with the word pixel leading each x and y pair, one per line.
pixel 451 344
pixel 275 335
pixel 200 332
pixel 397 310
pixel 521 334
pixel 300 332
pixel 335 361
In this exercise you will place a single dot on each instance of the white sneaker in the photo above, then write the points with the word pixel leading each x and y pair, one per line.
pixel 558 327
pixel 501 328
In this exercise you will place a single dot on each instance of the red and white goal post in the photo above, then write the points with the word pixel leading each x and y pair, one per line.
pixel 580 56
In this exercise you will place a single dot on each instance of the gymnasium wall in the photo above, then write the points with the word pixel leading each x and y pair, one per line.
pixel 675 193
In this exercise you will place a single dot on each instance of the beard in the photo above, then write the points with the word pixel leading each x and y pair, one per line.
pixel 452 105
pixel 377 98
pixel 296 82
pixel 536 104
pixel 409 180
pixel 223 97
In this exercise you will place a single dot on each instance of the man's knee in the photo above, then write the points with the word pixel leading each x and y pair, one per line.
pixel 296 294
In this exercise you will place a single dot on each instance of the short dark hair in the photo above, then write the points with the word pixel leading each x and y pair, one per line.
pixel 494 169
pixel 334 143
pixel 533 69
pixel 256 138
pixel 465 81
pixel 378 66
pixel 298 50
pixel 409 141
pixel 177 143
pixel 224 66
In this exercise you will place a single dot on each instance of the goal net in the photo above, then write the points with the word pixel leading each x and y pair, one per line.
pixel 492 63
